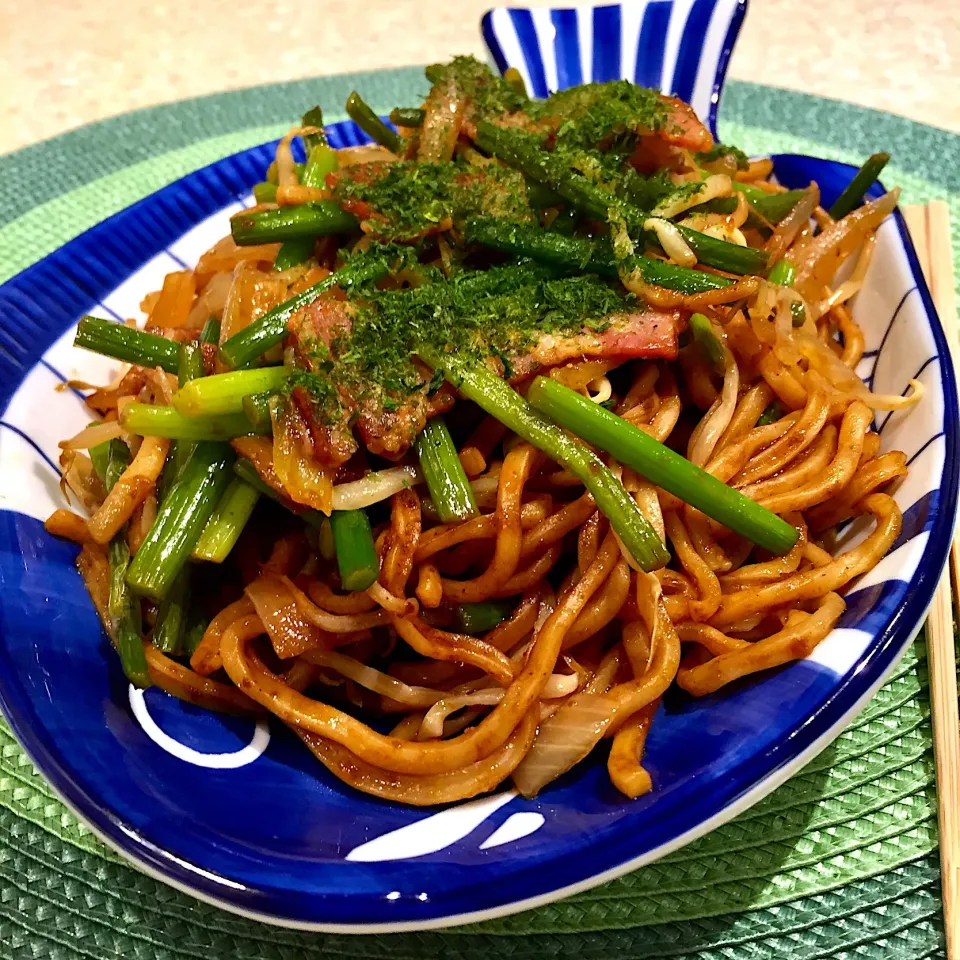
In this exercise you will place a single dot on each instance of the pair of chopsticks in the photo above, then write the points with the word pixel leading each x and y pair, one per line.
pixel 930 229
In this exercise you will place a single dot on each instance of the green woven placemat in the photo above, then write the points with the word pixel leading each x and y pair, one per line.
pixel 840 862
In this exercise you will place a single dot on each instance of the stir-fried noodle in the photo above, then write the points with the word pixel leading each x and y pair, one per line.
pixel 332 483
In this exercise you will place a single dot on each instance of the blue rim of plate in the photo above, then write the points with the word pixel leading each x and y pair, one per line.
pixel 34 315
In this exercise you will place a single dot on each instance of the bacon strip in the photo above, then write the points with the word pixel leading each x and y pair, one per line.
pixel 644 334
pixel 650 334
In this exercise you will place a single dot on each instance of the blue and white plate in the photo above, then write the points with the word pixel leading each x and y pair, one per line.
pixel 678 46
pixel 240 813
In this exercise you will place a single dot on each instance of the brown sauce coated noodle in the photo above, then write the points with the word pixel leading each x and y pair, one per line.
pixel 588 645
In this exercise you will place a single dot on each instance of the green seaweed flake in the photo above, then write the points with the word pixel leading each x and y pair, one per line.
pixel 409 200
pixel 602 114
pixel 719 150
pixel 500 313
pixel 504 320
pixel 489 95
pixel 318 384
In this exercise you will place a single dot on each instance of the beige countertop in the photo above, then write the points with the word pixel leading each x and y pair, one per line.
pixel 66 62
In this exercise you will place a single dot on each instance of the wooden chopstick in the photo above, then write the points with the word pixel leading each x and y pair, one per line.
pixel 930 228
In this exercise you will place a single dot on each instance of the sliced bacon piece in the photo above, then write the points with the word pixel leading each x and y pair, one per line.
pixel 360 173
pixel 333 443
pixel 649 335
pixel 389 433
pixel 683 127
pixel 313 330
pixel 667 148
pixel 653 154
pixel 328 317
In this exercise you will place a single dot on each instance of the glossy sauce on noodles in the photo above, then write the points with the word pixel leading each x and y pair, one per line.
pixel 511 642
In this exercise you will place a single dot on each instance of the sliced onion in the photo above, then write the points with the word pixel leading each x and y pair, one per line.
pixel 865 258
pixel 761 311
pixel 785 347
pixel 841 295
pixel 724 231
pixel 626 554
pixel 723 225
pixel 674 246
pixel 547 605
pixel 432 726
pixel 739 216
pixel 848 288
pixel 708 431
pixel 78 476
pixel 212 299
pixel 409 727
pixel 216 266
pixel 485 488
pixel 93 435
pixel 818 258
pixel 164 384
pixel 647 499
pixel 403 607
pixel 105 388
pixel 374 487
pixel 560 685
pixel 252 293
pixel 563 740
pixel 580 672
pixel 822 359
pixel 303 479
pixel 788 228
pixel 650 605
pixel 578 374
pixel 333 622
pixel 289 632
pixel 368 153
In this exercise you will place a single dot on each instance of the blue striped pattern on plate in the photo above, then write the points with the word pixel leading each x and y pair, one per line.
pixel 677 46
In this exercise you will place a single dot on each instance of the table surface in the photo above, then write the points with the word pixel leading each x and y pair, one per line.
pixel 63 64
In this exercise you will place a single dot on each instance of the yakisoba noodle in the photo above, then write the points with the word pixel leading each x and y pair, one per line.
pixel 488 600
